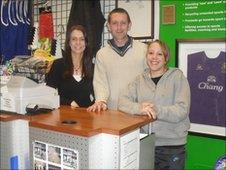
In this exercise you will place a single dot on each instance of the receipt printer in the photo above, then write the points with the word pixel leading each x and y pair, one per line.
pixel 21 92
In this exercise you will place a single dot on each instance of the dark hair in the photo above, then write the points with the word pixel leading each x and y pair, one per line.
pixel 87 64
pixel 164 47
pixel 119 10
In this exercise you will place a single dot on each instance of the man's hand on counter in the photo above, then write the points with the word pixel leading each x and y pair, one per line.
pixel 98 106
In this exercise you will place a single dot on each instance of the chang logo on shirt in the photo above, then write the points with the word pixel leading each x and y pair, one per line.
pixel 221 163
pixel 210 84
pixel 199 67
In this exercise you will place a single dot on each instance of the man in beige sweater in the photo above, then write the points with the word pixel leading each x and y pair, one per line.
pixel 118 63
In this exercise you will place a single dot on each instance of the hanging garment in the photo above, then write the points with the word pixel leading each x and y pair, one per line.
pixel 13 28
pixel 7 33
pixel 89 15
pixel 22 27
pixel 46 24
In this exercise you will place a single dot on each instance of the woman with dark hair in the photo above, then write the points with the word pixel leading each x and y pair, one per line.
pixel 72 75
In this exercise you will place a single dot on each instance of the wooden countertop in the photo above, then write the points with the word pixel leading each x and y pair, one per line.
pixel 88 123
pixel 5 117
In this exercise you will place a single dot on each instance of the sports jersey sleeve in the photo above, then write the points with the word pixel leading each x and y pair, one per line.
pixel 100 81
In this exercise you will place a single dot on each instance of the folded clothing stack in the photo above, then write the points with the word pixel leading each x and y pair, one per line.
pixel 34 67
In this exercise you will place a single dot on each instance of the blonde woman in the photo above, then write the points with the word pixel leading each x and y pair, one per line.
pixel 163 94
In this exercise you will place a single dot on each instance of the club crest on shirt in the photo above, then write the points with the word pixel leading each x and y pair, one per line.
pixel 211 79
pixel 199 67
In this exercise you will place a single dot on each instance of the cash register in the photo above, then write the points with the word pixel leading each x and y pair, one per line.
pixel 21 95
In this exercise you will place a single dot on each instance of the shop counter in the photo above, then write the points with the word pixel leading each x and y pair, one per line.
pixel 76 139
pixel 14 146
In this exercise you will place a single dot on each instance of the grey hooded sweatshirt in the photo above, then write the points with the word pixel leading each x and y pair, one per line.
pixel 171 97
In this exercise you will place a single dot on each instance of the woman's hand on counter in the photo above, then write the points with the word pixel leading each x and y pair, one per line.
pixel 148 109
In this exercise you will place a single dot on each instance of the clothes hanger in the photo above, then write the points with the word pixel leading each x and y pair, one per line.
pixel 12 19
pixel 17 12
pixel 45 8
pixel 62 30
pixel 20 12
pixel 4 2
pixel 25 4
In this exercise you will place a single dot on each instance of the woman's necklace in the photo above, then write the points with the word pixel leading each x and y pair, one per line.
pixel 77 69
pixel 77 73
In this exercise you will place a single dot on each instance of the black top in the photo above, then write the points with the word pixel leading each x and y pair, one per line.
pixel 156 79
pixel 69 89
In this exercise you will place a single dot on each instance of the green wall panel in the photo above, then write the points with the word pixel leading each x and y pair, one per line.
pixel 203 152
pixel 196 19
pixel 208 18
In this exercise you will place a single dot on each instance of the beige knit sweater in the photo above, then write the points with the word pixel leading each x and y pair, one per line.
pixel 113 72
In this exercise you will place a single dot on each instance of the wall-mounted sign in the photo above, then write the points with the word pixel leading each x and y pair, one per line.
pixel 168 14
